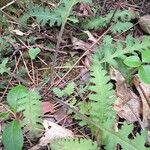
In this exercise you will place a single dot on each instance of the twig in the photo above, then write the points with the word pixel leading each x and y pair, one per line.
pixel 97 41
pixel 8 4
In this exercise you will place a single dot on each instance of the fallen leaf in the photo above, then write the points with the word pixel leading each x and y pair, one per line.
pixel 79 44
pixel 48 107
pixel 144 92
pixel 144 23
pixel 52 131
pixel 91 37
pixel 18 32
pixel 127 105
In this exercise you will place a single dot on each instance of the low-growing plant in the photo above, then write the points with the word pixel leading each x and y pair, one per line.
pixel 102 96
pixel 25 108
pixel 142 66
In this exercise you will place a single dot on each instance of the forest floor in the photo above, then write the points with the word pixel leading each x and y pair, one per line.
pixel 55 60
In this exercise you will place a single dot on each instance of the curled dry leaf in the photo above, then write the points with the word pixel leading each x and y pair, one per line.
pixel 144 23
pixel 144 92
pixel 18 32
pixel 127 105
pixel 52 131
pixel 91 37
pixel 79 44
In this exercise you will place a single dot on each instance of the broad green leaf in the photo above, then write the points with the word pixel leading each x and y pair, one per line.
pixel 15 94
pixel 4 115
pixel 33 52
pixel 12 136
pixel 58 92
pixel 132 61
pixel 144 73
pixel 69 89
pixel 3 67
pixel 146 56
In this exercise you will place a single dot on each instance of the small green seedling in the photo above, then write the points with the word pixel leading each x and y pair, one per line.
pixel 142 65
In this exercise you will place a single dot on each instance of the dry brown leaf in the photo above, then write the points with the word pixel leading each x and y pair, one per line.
pixel 79 44
pixel 144 91
pixel 144 23
pixel 127 105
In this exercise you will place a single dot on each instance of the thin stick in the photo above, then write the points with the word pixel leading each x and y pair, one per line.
pixel 8 4
pixel 84 55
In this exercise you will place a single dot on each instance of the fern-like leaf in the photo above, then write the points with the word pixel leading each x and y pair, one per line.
pixel 102 95
pixel 57 16
pixel 109 52
pixel 43 15
pixel 121 27
pixel 121 16
pixel 113 138
pixel 74 144
pixel 31 108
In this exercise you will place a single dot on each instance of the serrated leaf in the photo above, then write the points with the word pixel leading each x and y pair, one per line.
pixel 113 138
pixel 133 61
pixel 144 73
pixel 58 92
pixel 69 89
pixel 33 52
pixel 12 136
pixel 146 56
pixel 75 144
pixel 3 67
pixel 4 115
pixel 32 111
pixel 121 27
pixel 16 94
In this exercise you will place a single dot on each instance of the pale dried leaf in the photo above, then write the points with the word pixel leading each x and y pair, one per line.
pixel 91 37
pixel 127 105
pixel 79 44
pixel 18 32
pixel 52 131
pixel 145 23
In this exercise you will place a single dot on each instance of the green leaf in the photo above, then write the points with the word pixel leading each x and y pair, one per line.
pixel 4 115
pixel 74 144
pixel 146 56
pixel 144 73
pixel 69 89
pixel 132 61
pixel 58 92
pixel 121 27
pixel 15 94
pixel 31 108
pixel 33 52
pixel 122 137
pixel 3 67
pixel 12 136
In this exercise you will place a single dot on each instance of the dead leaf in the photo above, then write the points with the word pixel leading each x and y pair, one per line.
pixel 144 23
pixel 127 105
pixel 52 131
pixel 47 107
pixel 91 37
pixel 144 91
pixel 18 32
pixel 79 44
